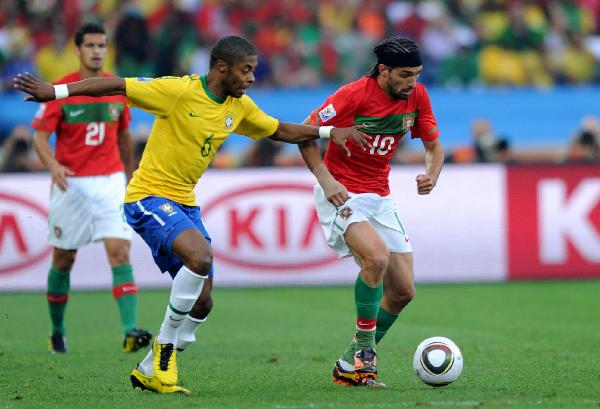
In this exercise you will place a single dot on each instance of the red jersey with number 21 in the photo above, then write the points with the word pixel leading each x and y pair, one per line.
pixel 86 130
pixel 364 102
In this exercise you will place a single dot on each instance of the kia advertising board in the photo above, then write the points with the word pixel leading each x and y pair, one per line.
pixel 25 255
pixel 264 226
pixel 481 223
pixel 554 221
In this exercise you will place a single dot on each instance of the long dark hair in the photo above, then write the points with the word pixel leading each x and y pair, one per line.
pixel 392 45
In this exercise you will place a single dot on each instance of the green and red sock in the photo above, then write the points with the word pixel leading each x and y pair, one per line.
pixel 125 293
pixel 367 300
pixel 58 295
pixel 385 320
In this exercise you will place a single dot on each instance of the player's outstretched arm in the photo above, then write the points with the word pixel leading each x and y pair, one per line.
pixel 41 91
pixel 294 133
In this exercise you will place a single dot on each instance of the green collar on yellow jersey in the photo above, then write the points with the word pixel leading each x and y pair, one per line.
pixel 212 96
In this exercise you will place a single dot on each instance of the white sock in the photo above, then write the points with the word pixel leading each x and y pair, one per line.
pixel 187 332
pixel 145 366
pixel 185 290
pixel 186 336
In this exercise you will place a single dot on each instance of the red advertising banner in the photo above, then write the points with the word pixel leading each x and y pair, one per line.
pixel 553 221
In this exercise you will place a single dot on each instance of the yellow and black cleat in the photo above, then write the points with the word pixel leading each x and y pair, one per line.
pixel 164 363
pixel 152 384
pixel 136 339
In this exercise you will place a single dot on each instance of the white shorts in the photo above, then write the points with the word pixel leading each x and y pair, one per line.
pixel 379 211
pixel 90 210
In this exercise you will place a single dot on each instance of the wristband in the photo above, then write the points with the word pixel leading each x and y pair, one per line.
pixel 61 91
pixel 325 131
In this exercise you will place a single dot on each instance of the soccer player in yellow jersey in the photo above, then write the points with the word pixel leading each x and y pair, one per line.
pixel 194 115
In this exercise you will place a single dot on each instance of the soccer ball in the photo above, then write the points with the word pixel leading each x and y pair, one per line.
pixel 438 361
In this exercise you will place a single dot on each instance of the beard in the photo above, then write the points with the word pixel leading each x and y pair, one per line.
pixel 401 95
pixel 397 94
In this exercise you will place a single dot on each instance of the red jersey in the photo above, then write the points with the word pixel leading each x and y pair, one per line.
pixel 86 130
pixel 388 120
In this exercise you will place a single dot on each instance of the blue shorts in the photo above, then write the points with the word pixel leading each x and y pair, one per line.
pixel 159 221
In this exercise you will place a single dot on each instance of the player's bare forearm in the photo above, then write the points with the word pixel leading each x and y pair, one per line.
pixel 57 171
pixel 301 133
pixel 41 91
pixel 335 192
pixel 294 133
pixel 310 151
pixel 311 154
pixel 434 158
pixel 125 141
pixel 42 148
pixel 312 157
pixel 98 87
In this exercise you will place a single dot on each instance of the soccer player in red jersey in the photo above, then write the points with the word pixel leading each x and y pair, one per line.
pixel 353 200
pixel 90 167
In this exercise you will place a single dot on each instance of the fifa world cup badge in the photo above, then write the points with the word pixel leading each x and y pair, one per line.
pixel 327 113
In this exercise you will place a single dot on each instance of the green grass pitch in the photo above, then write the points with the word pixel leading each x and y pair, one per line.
pixel 525 345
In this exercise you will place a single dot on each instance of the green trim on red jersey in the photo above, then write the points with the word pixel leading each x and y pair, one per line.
pixel 397 124
pixel 92 112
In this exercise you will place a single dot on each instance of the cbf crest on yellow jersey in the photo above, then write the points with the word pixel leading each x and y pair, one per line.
pixel 191 123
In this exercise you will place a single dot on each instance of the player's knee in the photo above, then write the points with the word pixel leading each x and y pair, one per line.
pixel 200 262
pixel 118 257
pixel 376 263
pixel 400 299
pixel 63 260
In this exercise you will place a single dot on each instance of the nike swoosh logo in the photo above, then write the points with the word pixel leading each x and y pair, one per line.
pixel 193 115
pixel 76 113
pixel 173 319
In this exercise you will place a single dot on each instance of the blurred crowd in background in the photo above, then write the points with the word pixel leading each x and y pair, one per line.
pixel 465 43
pixel 303 43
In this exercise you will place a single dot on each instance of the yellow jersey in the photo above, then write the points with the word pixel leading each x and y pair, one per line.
pixel 190 125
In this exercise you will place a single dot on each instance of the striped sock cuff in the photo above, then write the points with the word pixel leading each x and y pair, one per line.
pixel 176 311
pixel 124 289
pixel 366 325
pixel 57 298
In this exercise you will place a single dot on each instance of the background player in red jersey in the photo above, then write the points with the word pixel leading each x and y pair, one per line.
pixel 90 167
pixel 353 200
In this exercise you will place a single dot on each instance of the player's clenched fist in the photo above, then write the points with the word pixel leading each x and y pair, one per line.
pixel 425 184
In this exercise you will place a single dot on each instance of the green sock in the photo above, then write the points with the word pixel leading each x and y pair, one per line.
pixel 125 292
pixel 57 296
pixel 385 320
pixel 367 301
pixel 348 354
